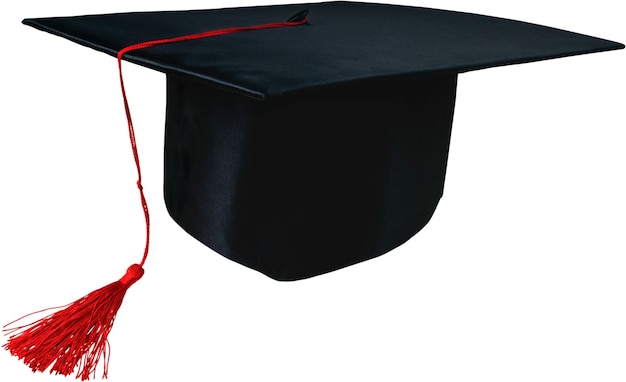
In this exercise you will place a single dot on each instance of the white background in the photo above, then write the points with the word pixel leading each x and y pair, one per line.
pixel 520 275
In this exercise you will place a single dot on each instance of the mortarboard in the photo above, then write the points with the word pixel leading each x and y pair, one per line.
pixel 297 151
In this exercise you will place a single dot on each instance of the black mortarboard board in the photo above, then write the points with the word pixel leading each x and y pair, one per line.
pixel 302 150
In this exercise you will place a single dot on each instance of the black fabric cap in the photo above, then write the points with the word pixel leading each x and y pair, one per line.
pixel 297 151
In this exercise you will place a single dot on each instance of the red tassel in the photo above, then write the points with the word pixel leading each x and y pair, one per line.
pixel 75 337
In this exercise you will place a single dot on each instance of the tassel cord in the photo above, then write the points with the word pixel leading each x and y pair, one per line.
pixel 298 19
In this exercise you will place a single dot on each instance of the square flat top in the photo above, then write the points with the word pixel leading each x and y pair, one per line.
pixel 343 42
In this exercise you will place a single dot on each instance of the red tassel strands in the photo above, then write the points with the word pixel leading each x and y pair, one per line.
pixel 75 337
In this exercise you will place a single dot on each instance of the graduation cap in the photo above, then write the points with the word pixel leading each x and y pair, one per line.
pixel 299 139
